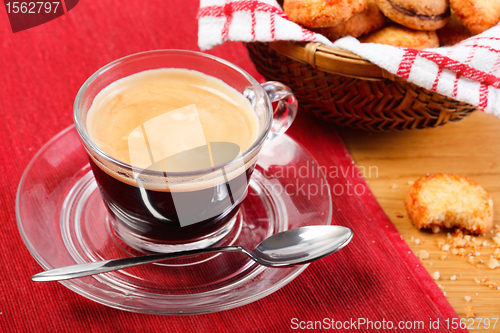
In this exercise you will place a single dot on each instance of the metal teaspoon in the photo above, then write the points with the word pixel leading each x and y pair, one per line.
pixel 291 247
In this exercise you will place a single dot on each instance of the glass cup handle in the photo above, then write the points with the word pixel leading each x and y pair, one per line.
pixel 285 107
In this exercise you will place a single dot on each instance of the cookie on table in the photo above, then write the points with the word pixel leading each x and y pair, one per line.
pixel 477 15
pixel 397 35
pixel 362 23
pixel 446 200
pixel 322 13
pixel 453 32
pixel 418 15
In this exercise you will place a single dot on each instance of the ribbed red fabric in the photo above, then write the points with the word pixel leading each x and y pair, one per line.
pixel 376 277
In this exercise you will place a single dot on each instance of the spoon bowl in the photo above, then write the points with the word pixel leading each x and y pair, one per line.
pixel 301 245
pixel 287 248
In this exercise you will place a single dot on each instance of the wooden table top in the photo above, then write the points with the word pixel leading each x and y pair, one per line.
pixel 392 160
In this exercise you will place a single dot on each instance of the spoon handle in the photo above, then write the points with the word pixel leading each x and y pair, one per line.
pixel 91 268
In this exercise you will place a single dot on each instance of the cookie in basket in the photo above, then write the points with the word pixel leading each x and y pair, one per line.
pixel 418 15
pixel 322 13
pixel 362 23
pixel 446 200
pixel 453 32
pixel 397 35
pixel 477 15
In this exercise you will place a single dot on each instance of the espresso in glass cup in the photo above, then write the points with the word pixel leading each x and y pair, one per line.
pixel 173 138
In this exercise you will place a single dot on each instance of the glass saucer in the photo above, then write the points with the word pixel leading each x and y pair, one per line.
pixel 63 221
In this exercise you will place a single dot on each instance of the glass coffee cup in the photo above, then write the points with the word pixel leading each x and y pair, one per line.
pixel 163 210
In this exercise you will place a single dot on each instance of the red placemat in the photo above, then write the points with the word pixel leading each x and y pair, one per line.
pixel 375 278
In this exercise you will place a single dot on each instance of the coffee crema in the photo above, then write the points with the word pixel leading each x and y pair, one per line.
pixel 172 120
pixel 142 101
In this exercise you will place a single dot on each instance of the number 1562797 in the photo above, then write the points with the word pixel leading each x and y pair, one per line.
pixel 472 323
pixel 31 7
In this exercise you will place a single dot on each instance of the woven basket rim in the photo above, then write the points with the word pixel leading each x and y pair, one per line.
pixel 372 105
pixel 332 60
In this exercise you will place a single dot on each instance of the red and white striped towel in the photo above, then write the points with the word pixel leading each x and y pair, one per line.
pixel 468 71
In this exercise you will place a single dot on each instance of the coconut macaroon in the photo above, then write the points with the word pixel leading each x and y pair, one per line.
pixel 397 35
pixel 477 15
pixel 362 23
pixel 446 200
pixel 322 13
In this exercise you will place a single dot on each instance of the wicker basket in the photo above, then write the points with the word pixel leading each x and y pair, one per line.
pixel 340 87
